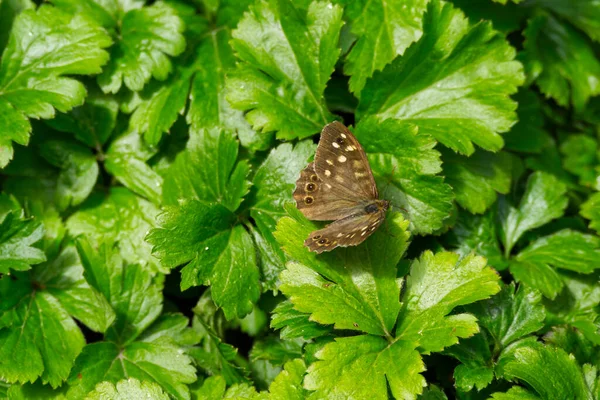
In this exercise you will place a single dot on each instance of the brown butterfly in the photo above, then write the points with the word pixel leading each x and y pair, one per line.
pixel 339 185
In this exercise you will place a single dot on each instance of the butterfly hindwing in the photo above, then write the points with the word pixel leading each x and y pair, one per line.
pixel 345 232
pixel 342 163
pixel 317 201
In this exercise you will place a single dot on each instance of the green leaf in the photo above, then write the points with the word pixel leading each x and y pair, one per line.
pixel 384 30
pixel 17 235
pixel 147 37
pixel 125 389
pixel 591 210
pixel 527 135
pixel 453 84
pixel 294 324
pixel 510 315
pixel 551 372
pixel 476 368
pixel 564 249
pixel 135 298
pixel 364 367
pixel 78 171
pixel 209 106
pixel 121 216
pixel 573 341
pixel 436 285
pixel 580 158
pixel 216 253
pixel 477 179
pixel 93 122
pixel 544 200
pixel 157 361
pixel 584 14
pixel 126 159
pixel 38 335
pixel 208 171
pixel 407 174
pixel 44 45
pixel 537 275
pixel 561 61
pixel 353 288
pixel 477 234
pixel 280 81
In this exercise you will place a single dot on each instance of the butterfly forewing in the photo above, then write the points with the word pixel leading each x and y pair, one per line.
pixel 339 186
pixel 341 162
pixel 349 231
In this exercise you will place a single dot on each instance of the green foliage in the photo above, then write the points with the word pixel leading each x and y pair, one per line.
pixel 150 246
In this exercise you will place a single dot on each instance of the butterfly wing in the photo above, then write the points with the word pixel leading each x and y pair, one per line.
pixel 342 163
pixel 318 201
pixel 348 231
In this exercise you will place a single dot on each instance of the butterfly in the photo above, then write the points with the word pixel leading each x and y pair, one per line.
pixel 339 186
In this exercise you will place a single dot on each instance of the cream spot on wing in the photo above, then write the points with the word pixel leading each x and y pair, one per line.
pixel 340 234
pixel 364 228
pixel 364 233
pixel 357 164
pixel 328 185
pixel 351 236
pixel 350 148
pixel 339 179
pixel 327 172
pixel 360 174
pixel 337 146
pixel 329 162
pixel 344 136
pixel 342 158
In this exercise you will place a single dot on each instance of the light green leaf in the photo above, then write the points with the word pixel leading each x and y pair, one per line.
pixel 17 235
pixel 561 61
pixel 121 216
pixel 537 275
pixel 212 388
pixel 288 55
pixel 294 324
pixel 107 13
pixel 591 210
pixel 515 393
pixel 208 171
pixel 453 84
pixel 127 389
pixel 9 9
pixel 573 341
pixel 364 367
pixel 126 159
pixel 44 45
pixel 407 174
pixel 550 371
pixel 543 201
pixel 384 29
pixel 353 288
pixel 78 171
pixel 148 36
pixel 477 179
pixel 216 253
pixel 288 384
pixel 436 285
